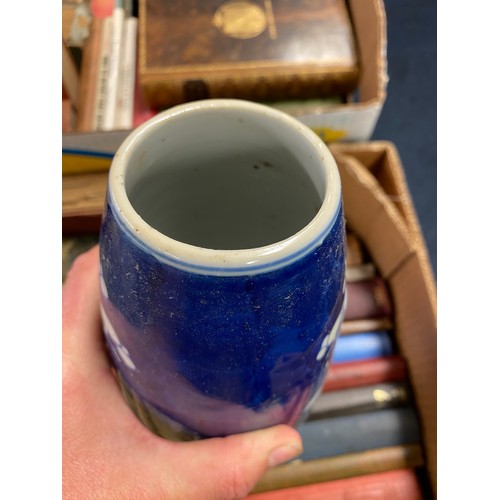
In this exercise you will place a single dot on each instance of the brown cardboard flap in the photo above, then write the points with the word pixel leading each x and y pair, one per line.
pixel 371 215
pixel 382 159
pixel 388 226
pixel 416 331
pixel 371 154
pixel 372 46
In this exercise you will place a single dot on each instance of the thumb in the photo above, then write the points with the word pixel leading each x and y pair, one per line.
pixel 229 467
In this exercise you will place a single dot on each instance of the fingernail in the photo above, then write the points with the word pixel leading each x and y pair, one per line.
pixel 283 454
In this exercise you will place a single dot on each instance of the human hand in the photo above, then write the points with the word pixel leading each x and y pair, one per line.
pixel 109 453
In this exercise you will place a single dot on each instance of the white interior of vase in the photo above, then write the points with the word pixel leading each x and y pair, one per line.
pixel 225 180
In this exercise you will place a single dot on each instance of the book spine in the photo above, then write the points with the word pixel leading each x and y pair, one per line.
pixel 300 473
pixel 368 298
pixel 366 325
pixel 402 484
pixel 102 77
pixel 126 81
pixel 164 89
pixel 360 346
pixel 117 22
pixel 360 432
pixel 359 399
pixel 358 373
pixel 89 77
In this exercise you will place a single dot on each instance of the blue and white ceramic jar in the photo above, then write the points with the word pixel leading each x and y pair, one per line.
pixel 222 261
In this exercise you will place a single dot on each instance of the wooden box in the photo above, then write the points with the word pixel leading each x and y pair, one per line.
pixel 261 50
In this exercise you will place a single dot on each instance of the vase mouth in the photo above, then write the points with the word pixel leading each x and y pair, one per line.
pixel 187 125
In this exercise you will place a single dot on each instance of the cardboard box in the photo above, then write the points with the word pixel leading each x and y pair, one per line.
pixel 356 120
pixel 378 207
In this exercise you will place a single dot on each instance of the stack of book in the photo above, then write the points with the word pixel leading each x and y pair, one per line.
pixel 108 71
pixel 361 436
pixel 362 433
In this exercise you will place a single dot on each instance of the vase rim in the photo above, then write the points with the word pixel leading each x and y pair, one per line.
pixel 231 262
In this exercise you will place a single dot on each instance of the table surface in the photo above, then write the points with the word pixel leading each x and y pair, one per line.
pixel 408 118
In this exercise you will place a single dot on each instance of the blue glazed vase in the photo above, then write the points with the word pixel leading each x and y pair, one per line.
pixel 222 266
